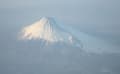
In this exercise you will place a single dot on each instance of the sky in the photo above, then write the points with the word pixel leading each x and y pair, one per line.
pixel 95 17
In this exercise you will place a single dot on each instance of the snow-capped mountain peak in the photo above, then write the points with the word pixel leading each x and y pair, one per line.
pixel 48 30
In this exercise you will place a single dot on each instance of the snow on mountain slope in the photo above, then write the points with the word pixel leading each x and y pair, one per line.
pixel 49 32
pixel 93 44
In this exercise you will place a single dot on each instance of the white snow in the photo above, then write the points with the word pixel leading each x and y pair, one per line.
pixel 48 30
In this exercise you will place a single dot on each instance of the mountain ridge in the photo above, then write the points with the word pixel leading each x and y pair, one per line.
pixel 48 31
pixel 51 33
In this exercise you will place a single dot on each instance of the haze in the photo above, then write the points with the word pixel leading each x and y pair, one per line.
pixel 99 18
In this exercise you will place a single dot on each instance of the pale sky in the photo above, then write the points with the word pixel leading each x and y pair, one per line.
pixel 98 17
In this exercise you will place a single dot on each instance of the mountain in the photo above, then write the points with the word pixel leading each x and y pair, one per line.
pixel 51 34
pixel 49 47
pixel 47 31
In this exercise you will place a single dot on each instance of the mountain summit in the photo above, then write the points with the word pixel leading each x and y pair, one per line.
pixel 50 34
pixel 48 31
